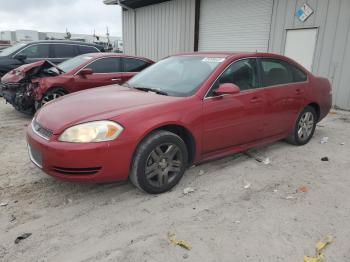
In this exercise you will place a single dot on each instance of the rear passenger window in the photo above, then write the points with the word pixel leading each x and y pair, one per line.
pixel 64 51
pixel 275 72
pixel 83 49
pixel 106 65
pixel 298 74
pixel 134 65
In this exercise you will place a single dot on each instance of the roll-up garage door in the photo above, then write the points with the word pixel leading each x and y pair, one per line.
pixel 235 25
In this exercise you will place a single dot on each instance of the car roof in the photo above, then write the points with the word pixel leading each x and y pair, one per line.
pixel 231 54
pixel 100 55
pixel 61 42
pixel 240 55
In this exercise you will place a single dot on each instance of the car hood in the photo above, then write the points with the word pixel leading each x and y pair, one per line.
pixel 22 72
pixel 100 103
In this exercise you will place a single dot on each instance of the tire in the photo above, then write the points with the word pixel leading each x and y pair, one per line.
pixel 304 127
pixel 50 95
pixel 159 162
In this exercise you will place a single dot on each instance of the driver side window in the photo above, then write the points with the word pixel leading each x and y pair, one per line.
pixel 36 51
pixel 242 73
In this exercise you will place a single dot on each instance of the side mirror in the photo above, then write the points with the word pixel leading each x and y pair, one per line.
pixel 20 57
pixel 86 71
pixel 227 89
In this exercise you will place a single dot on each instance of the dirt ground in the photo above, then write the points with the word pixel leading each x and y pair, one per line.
pixel 267 221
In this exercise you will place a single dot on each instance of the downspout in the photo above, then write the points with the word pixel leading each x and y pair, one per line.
pixel 196 24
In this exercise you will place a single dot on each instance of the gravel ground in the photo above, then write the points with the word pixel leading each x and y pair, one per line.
pixel 241 210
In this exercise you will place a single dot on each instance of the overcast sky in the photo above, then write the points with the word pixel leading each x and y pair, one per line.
pixel 79 16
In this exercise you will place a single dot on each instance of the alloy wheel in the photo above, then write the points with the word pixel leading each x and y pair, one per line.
pixel 51 96
pixel 163 165
pixel 305 126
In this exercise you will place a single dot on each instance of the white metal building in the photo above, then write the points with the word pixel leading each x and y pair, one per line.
pixel 316 34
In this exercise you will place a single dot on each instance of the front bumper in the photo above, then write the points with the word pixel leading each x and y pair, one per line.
pixel 91 162
pixel 18 95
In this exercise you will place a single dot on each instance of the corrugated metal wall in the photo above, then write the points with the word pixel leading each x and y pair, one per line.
pixel 160 30
pixel 129 41
pixel 332 54
pixel 168 28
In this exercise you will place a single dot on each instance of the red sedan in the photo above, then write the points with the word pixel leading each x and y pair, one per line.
pixel 32 85
pixel 183 110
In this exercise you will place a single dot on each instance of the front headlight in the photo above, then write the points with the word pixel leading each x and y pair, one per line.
pixel 98 131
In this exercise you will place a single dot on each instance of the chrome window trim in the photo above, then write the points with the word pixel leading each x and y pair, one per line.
pixel 32 158
pixel 37 133
pixel 259 88
pixel 34 44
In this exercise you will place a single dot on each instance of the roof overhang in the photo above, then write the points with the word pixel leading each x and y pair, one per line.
pixel 133 3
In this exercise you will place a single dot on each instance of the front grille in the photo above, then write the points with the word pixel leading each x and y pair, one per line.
pixel 41 131
pixel 35 156
pixel 76 171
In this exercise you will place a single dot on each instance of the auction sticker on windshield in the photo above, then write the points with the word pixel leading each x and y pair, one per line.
pixel 213 59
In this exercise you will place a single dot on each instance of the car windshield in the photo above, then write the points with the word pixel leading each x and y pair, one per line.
pixel 176 76
pixel 73 63
pixel 10 50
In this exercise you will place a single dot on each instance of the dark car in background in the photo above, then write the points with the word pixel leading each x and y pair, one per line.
pixel 28 87
pixel 55 51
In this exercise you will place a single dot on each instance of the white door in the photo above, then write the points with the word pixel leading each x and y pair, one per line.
pixel 300 46
pixel 235 25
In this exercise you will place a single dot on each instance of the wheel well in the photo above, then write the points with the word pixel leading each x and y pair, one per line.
pixel 186 136
pixel 56 88
pixel 317 109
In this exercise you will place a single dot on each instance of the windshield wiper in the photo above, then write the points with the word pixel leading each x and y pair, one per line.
pixel 157 91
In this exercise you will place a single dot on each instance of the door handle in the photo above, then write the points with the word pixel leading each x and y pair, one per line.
pixel 256 99
pixel 116 79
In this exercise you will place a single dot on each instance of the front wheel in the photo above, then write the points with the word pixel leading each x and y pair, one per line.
pixel 50 95
pixel 304 127
pixel 159 162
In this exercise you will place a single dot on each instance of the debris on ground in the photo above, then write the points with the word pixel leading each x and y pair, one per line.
pixel 182 243
pixel 185 256
pixel 247 185
pixel 324 140
pixel 320 246
pixel 289 197
pixel 325 158
pixel 201 172
pixel 22 237
pixel 12 218
pixel 237 222
pixel 266 161
pixel 303 189
pixel 342 143
pixel 3 204
pixel 68 201
pixel 188 190
pixel 258 157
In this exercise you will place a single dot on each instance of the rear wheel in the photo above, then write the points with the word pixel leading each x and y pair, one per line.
pixel 304 127
pixel 50 95
pixel 159 162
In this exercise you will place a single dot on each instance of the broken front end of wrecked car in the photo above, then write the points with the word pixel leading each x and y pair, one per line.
pixel 18 87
